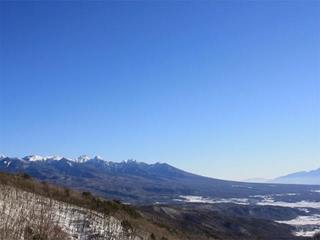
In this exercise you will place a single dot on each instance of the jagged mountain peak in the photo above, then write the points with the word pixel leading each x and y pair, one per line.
pixel 97 157
pixel 86 158
pixel 130 160
pixel 131 166
pixel 33 158
pixel 83 158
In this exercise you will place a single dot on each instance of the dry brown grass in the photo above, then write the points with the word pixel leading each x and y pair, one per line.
pixel 84 199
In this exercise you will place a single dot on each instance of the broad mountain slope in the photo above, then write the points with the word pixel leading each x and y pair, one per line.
pixel 303 177
pixel 137 182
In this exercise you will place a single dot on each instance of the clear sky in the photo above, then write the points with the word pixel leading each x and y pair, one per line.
pixel 224 89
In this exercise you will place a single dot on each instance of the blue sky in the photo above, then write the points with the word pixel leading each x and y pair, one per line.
pixel 224 89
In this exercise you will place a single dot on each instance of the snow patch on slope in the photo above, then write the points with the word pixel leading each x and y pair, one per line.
pixel 306 226
pixel 78 223
pixel 200 199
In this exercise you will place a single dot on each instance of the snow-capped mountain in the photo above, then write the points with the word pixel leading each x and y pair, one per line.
pixel 41 158
pixel 82 158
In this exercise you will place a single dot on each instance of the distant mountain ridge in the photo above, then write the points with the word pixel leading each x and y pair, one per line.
pixel 135 182
pixel 303 177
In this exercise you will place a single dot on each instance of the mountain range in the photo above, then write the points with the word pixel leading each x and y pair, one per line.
pixel 184 205
pixel 137 182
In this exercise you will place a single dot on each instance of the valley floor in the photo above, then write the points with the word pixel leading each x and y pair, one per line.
pixel 306 222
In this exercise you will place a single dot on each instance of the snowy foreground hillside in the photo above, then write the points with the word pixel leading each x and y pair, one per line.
pixel 36 210
pixel 26 215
